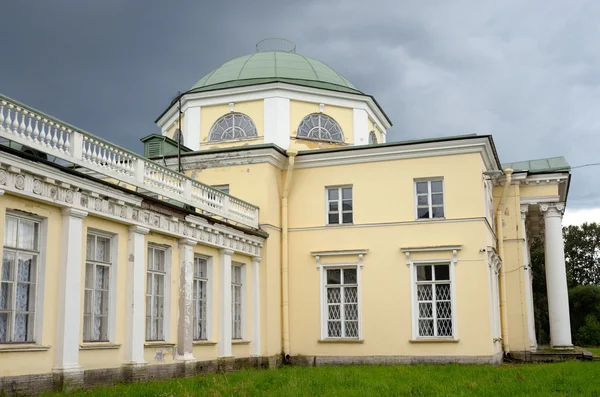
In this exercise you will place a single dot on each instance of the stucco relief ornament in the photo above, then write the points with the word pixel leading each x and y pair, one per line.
pixel 83 201
pixel 124 211
pixel 20 182
pixel 53 192
pixel 134 215
pixel 98 204
pixel 38 186
pixel 552 209
pixel 3 177
pixel 69 196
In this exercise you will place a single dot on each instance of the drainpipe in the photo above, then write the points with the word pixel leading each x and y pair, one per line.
pixel 285 293
pixel 500 234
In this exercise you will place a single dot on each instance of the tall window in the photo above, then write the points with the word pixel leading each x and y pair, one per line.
pixel 430 199
pixel 155 293
pixel 341 290
pixel 434 300
pixel 200 298
pixel 489 201
pixel 339 205
pixel 232 126
pixel 20 261
pixel 237 297
pixel 223 188
pixel 372 138
pixel 97 285
pixel 321 127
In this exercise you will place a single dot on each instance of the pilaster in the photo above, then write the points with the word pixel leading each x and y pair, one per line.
pixel 255 269
pixel 185 326
pixel 527 277
pixel 225 325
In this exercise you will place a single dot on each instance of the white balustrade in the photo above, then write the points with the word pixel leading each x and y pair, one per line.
pixel 28 127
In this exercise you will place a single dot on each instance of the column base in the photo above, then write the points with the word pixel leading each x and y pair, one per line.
pixel 226 364
pixel 135 371
pixel 562 347
pixel 188 362
pixel 67 378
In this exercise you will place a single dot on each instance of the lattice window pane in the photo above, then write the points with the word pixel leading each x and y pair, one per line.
pixel 444 327
pixel 333 295
pixel 424 292
pixel 442 292
pixel 334 329
pixel 320 126
pixel 334 312
pixel 434 300
pixel 351 328
pixel 426 328
pixel 232 126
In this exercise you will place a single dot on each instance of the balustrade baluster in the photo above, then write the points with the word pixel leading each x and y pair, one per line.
pixel 36 131
pixel 67 141
pixel 22 125
pixel 54 141
pixel 2 104
pixel 61 141
pixel 28 129
pixel 43 132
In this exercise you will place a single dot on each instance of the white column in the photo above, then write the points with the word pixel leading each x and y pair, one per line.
pixel 68 314
pixel 277 122
pixel 527 280
pixel 361 127
pixel 255 346
pixel 135 333
pixel 191 127
pixel 556 277
pixel 185 328
pixel 224 342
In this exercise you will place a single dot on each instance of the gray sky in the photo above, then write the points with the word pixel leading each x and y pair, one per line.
pixel 526 72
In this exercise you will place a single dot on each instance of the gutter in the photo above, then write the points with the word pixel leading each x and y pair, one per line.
pixel 285 293
pixel 500 233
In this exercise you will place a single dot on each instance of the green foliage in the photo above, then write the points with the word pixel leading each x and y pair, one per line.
pixel 589 333
pixel 582 254
pixel 584 300
pixel 563 379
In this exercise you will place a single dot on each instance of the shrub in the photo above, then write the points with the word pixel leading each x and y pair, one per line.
pixel 589 333
pixel 584 300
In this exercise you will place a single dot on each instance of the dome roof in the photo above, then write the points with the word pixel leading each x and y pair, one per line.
pixel 274 66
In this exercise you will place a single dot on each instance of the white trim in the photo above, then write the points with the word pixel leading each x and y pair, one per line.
pixel 361 127
pixel 540 199
pixel 191 128
pixel 340 252
pixel 340 199
pixel 225 318
pixel 185 327
pixel 432 248
pixel 243 297
pixel 277 121
pixel 429 196
pixel 255 344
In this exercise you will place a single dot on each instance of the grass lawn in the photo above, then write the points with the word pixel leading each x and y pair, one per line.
pixel 595 350
pixel 564 379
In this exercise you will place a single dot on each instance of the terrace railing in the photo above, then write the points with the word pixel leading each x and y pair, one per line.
pixel 29 127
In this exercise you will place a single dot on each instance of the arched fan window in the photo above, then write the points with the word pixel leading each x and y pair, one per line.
pixel 372 138
pixel 320 126
pixel 232 126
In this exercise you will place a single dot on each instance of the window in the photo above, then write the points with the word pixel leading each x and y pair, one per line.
pixel 430 199
pixel 339 205
pixel 96 298
pixel 155 293
pixel 489 202
pixel 372 138
pixel 223 188
pixel 320 126
pixel 20 261
pixel 232 126
pixel 341 306
pixel 237 297
pixel 434 300
pixel 200 298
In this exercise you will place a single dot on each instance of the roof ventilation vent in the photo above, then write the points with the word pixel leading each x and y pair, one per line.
pixel 275 44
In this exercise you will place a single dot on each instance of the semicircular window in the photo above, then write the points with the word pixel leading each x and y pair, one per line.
pixel 320 126
pixel 372 138
pixel 232 126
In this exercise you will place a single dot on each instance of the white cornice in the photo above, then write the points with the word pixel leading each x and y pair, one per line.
pixel 432 248
pixel 340 252
pixel 284 90
pixel 227 159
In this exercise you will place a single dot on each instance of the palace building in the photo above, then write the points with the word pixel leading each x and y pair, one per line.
pixel 269 220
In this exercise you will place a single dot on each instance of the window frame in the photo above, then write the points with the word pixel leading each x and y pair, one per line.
pixel 224 188
pixel 413 264
pixel 112 284
pixel 166 292
pixel 39 289
pixel 242 286
pixel 319 125
pixel 340 212
pixel 325 304
pixel 234 139
pixel 429 198
pixel 208 315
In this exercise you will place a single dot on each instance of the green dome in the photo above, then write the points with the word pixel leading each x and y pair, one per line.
pixel 274 66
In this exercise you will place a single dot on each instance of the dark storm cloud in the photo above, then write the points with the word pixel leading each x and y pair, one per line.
pixel 526 72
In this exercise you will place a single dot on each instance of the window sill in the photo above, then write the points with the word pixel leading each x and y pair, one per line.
pixel 434 340
pixel 430 219
pixel 203 343
pixel 23 347
pixel 98 346
pixel 240 342
pixel 158 343
pixel 339 224
pixel 342 340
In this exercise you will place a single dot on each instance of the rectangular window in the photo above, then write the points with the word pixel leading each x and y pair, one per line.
pixel 200 298
pixel 434 300
pixel 223 188
pixel 237 297
pixel 97 288
pixel 430 199
pixel 20 261
pixel 155 293
pixel 341 306
pixel 339 205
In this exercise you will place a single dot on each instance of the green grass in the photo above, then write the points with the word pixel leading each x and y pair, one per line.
pixel 595 350
pixel 563 379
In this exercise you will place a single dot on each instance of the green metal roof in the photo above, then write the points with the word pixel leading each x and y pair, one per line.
pixel 274 66
pixel 552 164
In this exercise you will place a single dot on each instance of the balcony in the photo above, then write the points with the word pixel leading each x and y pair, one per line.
pixel 28 127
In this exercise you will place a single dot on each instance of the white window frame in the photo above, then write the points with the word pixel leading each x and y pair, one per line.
pixel 38 313
pixel 340 210
pixel 242 286
pixel 223 188
pixel 429 199
pixel 209 299
pixel 167 292
pixel 113 274
pixel 415 302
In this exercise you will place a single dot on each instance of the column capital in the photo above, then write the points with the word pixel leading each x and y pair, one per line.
pixel 139 229
pixel 552 209
pixel 256 258
pixel 524 210
pixel 187 241
pixel 227 251
pixel 74 212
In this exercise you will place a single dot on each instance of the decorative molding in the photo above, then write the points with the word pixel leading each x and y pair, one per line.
pixel 242 157
pixel 432 248
pixel 80 197
pixel 552 209
pixel 360 252
pixel 494 261
pixel 539 199
pixel 524 210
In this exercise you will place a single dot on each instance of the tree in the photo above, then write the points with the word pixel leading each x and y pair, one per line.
pixel 582 254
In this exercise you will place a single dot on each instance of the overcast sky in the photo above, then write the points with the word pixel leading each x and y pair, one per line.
pixel 527 72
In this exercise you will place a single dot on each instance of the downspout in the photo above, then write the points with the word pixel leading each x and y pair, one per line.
pixel 500 234
pixel 285 293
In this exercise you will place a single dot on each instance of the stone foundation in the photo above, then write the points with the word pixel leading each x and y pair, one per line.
pixel 315 361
